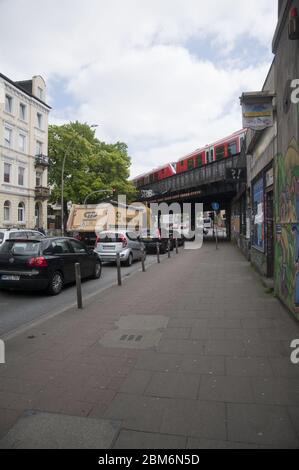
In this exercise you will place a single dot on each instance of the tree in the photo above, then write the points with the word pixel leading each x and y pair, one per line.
pixel 90 165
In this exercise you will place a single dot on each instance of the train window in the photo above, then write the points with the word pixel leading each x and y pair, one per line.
pixel 190 164
pixel 220 152
pixel 212 155
pixel 182 163
pixel 199 160
pixel 232 148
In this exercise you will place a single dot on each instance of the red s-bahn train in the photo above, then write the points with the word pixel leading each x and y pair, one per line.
pixel 219 150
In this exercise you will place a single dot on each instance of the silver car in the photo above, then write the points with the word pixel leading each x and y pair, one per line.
pixel 127 244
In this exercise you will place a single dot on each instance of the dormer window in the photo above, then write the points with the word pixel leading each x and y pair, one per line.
pixel 40 93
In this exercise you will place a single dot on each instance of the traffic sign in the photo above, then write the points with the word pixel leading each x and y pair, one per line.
pixel 215 206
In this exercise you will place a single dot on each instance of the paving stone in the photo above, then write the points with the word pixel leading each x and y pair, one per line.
pixel 248 367
pixel 225 348
pixel 226 389
pixel 53 431
pixel 154 361
pixel 276 391
pixel 260 424
pixel 263 348
pixel 294 415
pixel 141 413
pixel 136 382
pixel 283 367
pixel 181 346
pixel 195 419
pixel 206 365
pixel 193 443
pixel 7 419
pixel 177 333
pixel 142 440
pixel 173 385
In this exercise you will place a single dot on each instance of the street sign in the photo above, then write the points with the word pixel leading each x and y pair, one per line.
pixel 215 206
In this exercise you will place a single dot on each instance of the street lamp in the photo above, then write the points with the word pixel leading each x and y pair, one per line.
pixel 62 178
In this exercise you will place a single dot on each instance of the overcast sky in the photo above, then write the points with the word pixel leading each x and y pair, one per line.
pixel 164 76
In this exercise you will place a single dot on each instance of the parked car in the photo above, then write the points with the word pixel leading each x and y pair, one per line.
pixel 8 233
pixel 45 263
pixel 150 238
pixel 127 244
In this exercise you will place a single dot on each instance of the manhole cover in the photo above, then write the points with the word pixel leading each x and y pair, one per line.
pixel 143 339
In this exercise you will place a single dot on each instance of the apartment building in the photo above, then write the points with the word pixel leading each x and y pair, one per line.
pixel 23 153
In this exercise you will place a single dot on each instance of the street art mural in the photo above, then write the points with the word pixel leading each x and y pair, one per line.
pixel 287 226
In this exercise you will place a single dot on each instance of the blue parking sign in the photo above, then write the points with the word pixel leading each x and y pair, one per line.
pixel 215 206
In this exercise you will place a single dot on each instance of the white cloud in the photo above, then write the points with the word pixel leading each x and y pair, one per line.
pixel 127 65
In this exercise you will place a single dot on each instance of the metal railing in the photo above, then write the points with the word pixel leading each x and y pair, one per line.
pixel 42 160
pixel 42 192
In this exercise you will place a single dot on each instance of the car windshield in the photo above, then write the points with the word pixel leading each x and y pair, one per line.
pixel 26 248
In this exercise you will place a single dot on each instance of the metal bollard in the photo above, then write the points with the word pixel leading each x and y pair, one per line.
pixel 118 269
pixel 158 252
pixel 79 286
pixel 143 261
pixel 168 248
pixel 176 246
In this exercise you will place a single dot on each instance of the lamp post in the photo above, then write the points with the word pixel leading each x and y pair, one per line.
pixel 62 179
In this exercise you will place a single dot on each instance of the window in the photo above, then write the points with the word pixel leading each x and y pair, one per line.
pixel 39 147
pixel 7 136
pixel 258 215
pixel 220 152
pixel 21 173
pixel 199 160
pixel 21 212
pixel 232 148
pixel 58 247
pixel 182 163
pixel 190 164
pixel 20 247
pixel 78 247
pixel 38 179
pixel 39 120
pixel 22 142
pixel 40 93
pixel 7 172
pixel 22 114
pixel 7 206
pixel 8 104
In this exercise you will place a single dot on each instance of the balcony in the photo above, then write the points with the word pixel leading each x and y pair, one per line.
pixel 42 193
pixel 41 160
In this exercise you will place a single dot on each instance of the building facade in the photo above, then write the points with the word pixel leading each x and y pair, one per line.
pixel 23 153
pixel 286 162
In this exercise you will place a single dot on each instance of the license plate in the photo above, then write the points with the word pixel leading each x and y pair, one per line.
pixel 10 278
pixel 109 248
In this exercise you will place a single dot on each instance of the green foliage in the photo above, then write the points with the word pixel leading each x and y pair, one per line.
pixel 90 165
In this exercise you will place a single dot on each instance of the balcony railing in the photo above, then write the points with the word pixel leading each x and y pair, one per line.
pixel 41 160
pixel 42 192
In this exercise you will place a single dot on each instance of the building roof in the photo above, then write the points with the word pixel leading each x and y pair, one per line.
pixel 26 87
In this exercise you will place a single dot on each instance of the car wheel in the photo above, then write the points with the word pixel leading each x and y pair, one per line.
pixel 56 284
pixel 129 261
pixel 97 272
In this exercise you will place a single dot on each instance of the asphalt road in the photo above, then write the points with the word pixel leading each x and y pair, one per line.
pixel 20 308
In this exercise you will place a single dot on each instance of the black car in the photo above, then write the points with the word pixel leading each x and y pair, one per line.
pixel 150 240
pixel 45 264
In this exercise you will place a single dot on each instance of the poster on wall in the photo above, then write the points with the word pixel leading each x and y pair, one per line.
pixel 257 110
pixel 258 215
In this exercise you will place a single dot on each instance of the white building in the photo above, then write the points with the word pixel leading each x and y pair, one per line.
pixel 23 153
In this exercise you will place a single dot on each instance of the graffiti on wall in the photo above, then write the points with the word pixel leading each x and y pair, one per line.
pixel 287 226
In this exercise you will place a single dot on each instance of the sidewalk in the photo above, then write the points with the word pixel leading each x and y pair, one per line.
pixel 194 353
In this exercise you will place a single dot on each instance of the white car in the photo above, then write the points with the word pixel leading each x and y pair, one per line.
pixel 127 244
pixel 14 233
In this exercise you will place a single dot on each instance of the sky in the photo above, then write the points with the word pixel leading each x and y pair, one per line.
pixel 164 76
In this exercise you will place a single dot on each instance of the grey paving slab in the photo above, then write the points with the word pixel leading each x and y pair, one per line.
pixel 225 348
pixel 181 346
pixel 262 425
pixel 142 322
pixel 136 382
pixel 142 440
pixel 203 365
pixel 226 389
pixel 248 367
pixel 195 419
pixel 282 367
pixel 193 443
pixel 276 391
pixel 56 431
pixel 173 385
pixel 155 361
pixel 294 416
